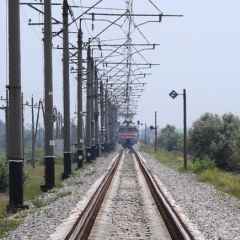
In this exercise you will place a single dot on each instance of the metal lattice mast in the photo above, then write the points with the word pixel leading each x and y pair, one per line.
pixel 129 54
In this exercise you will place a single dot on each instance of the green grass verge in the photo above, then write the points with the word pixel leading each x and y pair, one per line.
pixel 33 180
pixel 206 170
pixel 6 224
pixel 224 181
pixel 170 159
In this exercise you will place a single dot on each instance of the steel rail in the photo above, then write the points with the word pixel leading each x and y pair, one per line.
pixel 174 223
pixel 82 228
pixel 178 230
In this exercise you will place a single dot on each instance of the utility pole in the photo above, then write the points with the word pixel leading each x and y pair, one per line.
pixel 15 153
pixel 102 120
pixel 23 143
pixel 80 137
pixel 155 139
pixel 89 112
pixel 33 135
pixel 185 127
pixel 96 114
pixel 66 92
pixel 173 94
pixel 48 115
pixel 145 134
pixel 106 102
pixel 6 121
pixel 92 108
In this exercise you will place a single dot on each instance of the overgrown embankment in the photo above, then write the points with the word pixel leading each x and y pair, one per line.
pixel 206 171
pixel 33 179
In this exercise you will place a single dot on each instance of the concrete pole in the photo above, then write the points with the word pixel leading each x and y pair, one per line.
pixel 66 93
pixel 33 134
pixel 109 125
pixel 185 127
pixel 114 126
pixel 107 140
pixel 6 121
pixel 155 128
pixel 106 121
pixel 145 134
pixel 88 110
pixel 80 136
pixel 102 119
pixel 96 113
pixel 92 107
pixel 23 133
pixel 48 92
pixel 15 153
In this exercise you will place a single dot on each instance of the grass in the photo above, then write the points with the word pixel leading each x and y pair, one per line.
pixel 33 180
pixel 170 159
pixel 206 170
pixel 6 224
pixel 224 181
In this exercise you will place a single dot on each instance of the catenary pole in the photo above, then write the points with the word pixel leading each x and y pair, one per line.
pixel 96 112
pixel 23 134
pixel 66 92
pixel 15 153
pixel 33 134
pixel 92 109
pixel 6 120
pixel 88 108
pixel 155 128
pixel 80 136
pixel 48 92
pixel 102 119
pixel 185 127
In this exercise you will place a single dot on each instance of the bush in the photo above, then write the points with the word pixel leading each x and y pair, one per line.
pixel 218 139
pixel 200 165
pixel 169 139
pixel 3 176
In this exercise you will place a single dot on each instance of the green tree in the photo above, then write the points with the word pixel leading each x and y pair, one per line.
pixel 205 135
pixel 169 138
pixel 229 146
pixel 218 139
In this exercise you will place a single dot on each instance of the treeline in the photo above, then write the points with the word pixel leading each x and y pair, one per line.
pixel 211 138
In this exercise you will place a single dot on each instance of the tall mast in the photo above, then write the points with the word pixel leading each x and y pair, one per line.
pixel 129 53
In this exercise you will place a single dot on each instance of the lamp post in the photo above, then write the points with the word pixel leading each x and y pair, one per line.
pixel 173 94
pixel 155 132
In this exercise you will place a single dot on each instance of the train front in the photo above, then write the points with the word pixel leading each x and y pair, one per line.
pixel 128 136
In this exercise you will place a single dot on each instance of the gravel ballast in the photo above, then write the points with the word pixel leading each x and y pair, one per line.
pixel 55 206
pixel 216 214
pixel 129 211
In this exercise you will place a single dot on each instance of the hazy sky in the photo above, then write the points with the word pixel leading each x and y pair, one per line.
pixel 199 52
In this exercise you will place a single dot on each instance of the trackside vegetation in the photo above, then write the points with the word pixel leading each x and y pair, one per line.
pixel 33 178
pixel 205 170
pixel 214 150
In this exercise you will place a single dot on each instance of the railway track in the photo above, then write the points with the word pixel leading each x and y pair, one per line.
pixel 123 195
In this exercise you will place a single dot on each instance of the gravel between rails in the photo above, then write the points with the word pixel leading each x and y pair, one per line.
pixel 128 211
pixel 216 214
pixel 41 222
